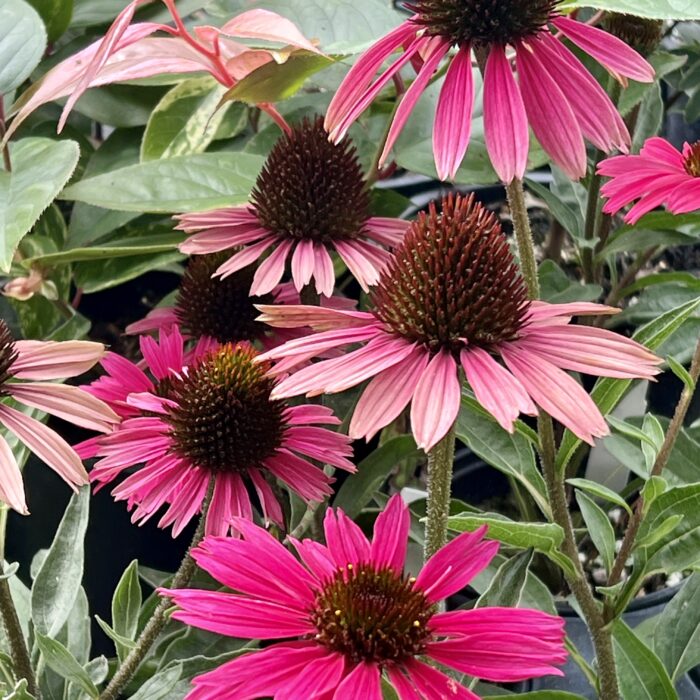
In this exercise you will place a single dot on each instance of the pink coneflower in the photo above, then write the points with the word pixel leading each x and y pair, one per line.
pixel 452 296
pixel 350 616
pixel 222 309
pixel 555 93
pixel 309 200
pixel 660 174
pixel 215 419
pixel 37 360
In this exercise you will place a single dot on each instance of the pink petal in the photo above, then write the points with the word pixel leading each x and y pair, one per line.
pixel 660 150
pixel 346 541
pixel 317 317
pixel 320 676
pixel 505 121
pixel 244 258
pixel 388 232
pixel 362 682
pixel 391 535
pixel 434 53
pixel 52 449
pixel 495 388
pixel 272 511
pixel 453 115
pixel 607 49
pixel 324 273
pixel 436 401
pixel 307 480
pixel 270 272
pixel 68 402
pixel 11 487
pixel 41 360
pixel 269 26
pixel 685 198
pixel 550 115
pixel 303 262
pixel 402 684
pixel 387 395
pixel 435 685
pixel 162 318
pixel 222 238
pixel 451 568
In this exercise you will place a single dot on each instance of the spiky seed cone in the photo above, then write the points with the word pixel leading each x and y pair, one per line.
pixel 692 160
pixel 642 34
pixel 8 354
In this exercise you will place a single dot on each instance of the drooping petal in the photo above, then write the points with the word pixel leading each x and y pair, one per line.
pixel 436 401
pixel 505 120
pixel 364 681
pixel 453 115
pixel 324 273
pixel 160 318
pixel 303 262
pixel 221 238
pixel 269 273
pixel 318 318
pixel 45 360
pixel 11 486
pixel 272 511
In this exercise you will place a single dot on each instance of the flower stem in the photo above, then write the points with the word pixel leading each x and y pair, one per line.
pixel 158 620
pixel 660 463
pixel 523 236
pixel 440 461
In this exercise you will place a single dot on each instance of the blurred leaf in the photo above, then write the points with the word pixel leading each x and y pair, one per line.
pixel 540 695
pixel 654 9
pixel 651 116
pixel 677 630
pixel 507 586
pixel 60 660
pixel 640 672
pixel 358 489
pixel 596 489
pixel 41 167
pixel 558 288
pixel 56 15
pixel 58 582
pixel 120 105
pixel 663 64
pixel 565 212
pixel 599 527
pixel 22 43
pixel 20 692
pixel 183 183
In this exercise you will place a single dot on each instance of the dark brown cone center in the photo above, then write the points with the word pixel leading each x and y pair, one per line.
pixel 453 281
pixel 225 420
pixel 312 189
pixel 484 21
pixel 8 355
pixel 692 160
pixel 372 615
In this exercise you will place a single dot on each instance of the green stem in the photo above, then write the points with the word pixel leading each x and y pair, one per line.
pixel 440 461
pixel 158 620
pixel 21 661
pixel 523 236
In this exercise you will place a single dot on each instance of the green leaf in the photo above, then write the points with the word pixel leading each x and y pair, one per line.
pixel 126 604
pixel 183 183
pixel 679 548
pixel 58 582
pixel 596 489
pixel 652 490
pixel 662 529
pixel 540 695
pixel 273 82
pixel 40 169
pixel 607 392
pixel 22 43
pixel 568 215
pixel 681 372
pixel 60 660
pixel 20 692
pixel 630 430
pixel 56 15
pixel 599 528
pixel 640 672
pixel 651 116
pixel 544 537
pixel 677 631
pixel 358 489
pixel 557 287
pixel 121 643
pixel 511 454
pixel 185 121
pixel 653 9
pixel 652 428
pixel 507 586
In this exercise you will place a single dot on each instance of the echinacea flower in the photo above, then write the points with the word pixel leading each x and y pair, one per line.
pixel 660 174
pixel 555 93
pixel 129 51
pixel 222 309
pixel 349 615
pixel 215 419
pixel 309 200
pixel 33 362
pixel 453 295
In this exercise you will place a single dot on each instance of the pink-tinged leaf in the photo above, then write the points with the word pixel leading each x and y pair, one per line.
pixel 268 26
pixel 505 121
pixel 453 115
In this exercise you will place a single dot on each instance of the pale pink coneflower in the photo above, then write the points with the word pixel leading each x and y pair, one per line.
pixel 215 419
pixel 222 309
pixel 453 295
pixel 309 200
pixel 349 616
pixel 555 94
pixel 659 175
pixel 25 368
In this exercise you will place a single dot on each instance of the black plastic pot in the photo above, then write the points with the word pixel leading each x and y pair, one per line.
pixel 641 609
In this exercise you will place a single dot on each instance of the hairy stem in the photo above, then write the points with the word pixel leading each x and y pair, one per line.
pixel 523 236
pixel 158 620
pixel 660 463
pixel 440 461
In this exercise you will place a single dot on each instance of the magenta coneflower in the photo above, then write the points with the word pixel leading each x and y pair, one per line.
pixel 660 174
pixel 222 309
pixel 350 616
pixel 555 93
pixel 37 360
pixel 309 200
pixel 453 295
pixel 215 419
